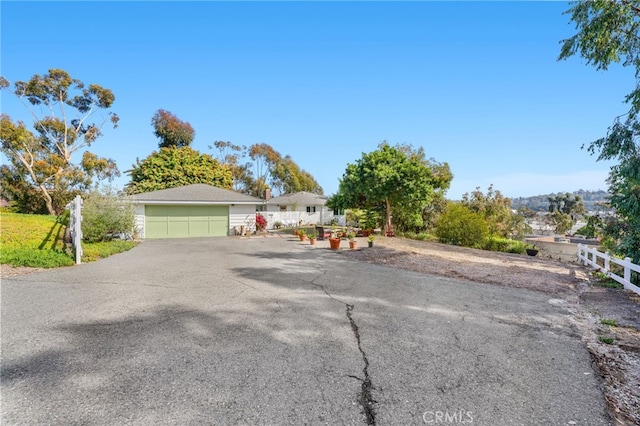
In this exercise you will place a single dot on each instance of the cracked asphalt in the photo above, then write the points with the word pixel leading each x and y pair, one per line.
pixel 269 331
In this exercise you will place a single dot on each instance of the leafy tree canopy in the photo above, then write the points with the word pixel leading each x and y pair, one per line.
pixel 496 210
pixel 171 131
pixel 40 174
pixel 608 32
pixel 173 167
pixel 394 179
pixel 260 166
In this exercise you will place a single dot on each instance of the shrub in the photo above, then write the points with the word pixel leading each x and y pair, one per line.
pixel 35 258
pixel 458 225
pixel 505 245
pixel 105 215
pixel 420 236
pixel 261 222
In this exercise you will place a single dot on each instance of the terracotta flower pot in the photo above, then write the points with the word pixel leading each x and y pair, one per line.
pixel 302 237
pixel 312 241
pixel 334 243
pixel 353 244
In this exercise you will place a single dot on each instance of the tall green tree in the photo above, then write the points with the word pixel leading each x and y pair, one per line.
pixel 260 166
pixel 171 131
pixel 608 33
pixel 173 167
pixel 234 158
pixel 41 160
pixel 288 177
pixel 392 179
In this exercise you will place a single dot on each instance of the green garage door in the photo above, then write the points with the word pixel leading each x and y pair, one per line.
pixel 186 221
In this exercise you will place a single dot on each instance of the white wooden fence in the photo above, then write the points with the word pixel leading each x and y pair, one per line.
pixel 583 255
pixel 75 221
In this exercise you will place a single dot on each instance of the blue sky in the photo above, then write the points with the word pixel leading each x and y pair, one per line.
pixel 477 84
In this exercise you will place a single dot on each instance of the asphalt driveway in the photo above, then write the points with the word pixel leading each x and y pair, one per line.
pixel 271 331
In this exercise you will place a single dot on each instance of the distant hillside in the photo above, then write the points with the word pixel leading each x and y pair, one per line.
pixel 541 202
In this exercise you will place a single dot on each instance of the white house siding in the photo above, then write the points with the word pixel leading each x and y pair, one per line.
pixel 242 215
pixel 293 218
pixel 139 220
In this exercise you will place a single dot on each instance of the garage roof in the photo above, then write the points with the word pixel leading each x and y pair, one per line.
pixel 197 193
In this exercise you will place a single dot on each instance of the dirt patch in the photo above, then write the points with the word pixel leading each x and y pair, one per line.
pixel 617 363
pixel 10 271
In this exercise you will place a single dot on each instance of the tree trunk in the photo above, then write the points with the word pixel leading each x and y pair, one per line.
pixel 47 200
pixel 388 227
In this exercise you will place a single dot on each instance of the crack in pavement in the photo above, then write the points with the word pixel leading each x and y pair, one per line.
pixel 365 398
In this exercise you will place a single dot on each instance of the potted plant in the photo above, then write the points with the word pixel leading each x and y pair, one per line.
pixel 313 235
pixel 302 233
pixel 370 239
pixel 532 250
pixel 351 236
pixel 334 240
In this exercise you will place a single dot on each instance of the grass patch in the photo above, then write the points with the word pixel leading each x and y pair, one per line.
pixel 419 236
pixel 607 340
pixel 33 240
pixel 609 322
pixel 37 241
pixel 95 251
pixel 609 284
pixel 504 245
pixel 603 280
pixel 35 258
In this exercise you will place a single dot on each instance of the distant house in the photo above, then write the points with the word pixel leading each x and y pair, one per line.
pixel 197 210
pixel 299 208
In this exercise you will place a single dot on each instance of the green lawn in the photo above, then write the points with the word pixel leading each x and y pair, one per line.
pixel 38 241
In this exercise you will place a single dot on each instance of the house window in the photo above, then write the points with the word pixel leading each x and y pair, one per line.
pixel 311 209
pixel 283 208
pixel 338 212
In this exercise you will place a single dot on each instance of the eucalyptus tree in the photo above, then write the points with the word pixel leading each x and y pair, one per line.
pixel 608 32
pixel 41 158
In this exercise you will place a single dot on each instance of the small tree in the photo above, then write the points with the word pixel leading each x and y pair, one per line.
pixel 397 180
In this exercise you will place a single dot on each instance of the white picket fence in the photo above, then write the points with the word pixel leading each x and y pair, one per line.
pixel 583 255
pixel 75 222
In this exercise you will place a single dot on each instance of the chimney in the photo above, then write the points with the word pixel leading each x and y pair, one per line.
pixel 267 194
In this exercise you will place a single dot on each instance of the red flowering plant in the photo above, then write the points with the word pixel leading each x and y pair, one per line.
pixel 261 222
